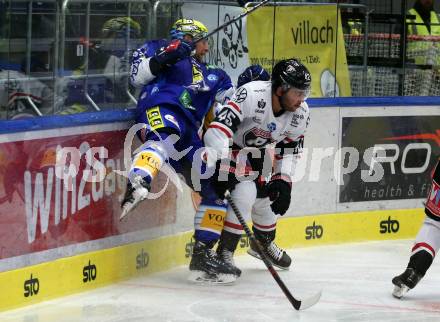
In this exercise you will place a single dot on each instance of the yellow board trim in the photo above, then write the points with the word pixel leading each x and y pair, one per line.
pixel 94 269
pixel 349 227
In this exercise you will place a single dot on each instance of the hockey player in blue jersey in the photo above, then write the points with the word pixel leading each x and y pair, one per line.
pixel 178 89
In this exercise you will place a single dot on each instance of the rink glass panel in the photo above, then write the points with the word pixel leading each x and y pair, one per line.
pixel 63 61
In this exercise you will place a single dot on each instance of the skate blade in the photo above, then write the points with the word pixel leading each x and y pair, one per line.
pixel 125 210
pixel 399 291
pixel 129 206
pixel 256 255
pixel 200 277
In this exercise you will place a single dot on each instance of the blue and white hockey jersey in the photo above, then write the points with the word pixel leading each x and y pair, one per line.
pixel 189 85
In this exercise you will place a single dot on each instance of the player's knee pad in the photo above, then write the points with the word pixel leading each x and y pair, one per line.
pixel 209 221
pixel 244 197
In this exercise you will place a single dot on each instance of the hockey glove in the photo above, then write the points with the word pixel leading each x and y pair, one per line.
pixel 174 52
pixel 279 191
pixel 253 73
pixel 224 177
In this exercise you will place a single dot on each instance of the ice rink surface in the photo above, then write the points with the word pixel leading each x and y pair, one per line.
pixel 355 280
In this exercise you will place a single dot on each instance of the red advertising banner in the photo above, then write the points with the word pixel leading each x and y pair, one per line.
pixel 40 209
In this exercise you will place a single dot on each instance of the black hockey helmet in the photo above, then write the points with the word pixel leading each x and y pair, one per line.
pixel 290 73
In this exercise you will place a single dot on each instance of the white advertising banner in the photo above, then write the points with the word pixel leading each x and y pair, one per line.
pixel 343 170
pixel 228 49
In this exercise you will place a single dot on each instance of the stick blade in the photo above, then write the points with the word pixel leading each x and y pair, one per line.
pixel 305 304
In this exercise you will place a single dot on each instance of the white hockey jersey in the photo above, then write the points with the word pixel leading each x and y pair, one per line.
pixel 16 88
pixel 248 121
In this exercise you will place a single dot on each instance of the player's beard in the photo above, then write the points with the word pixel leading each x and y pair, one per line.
pixel 285 106
pixel 200 57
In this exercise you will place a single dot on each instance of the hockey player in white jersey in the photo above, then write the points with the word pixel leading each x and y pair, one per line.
pixel 427 242
pixel 20 92
pixel 262 115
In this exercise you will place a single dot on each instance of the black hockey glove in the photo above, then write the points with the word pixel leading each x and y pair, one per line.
pixel 252 73
pixel 224 177
pixel 279 191
pixel 174 52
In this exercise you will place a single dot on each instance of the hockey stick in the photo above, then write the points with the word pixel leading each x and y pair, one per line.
pixel 244 14
pixel 297 304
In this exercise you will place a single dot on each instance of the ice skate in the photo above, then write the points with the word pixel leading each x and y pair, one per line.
pixel 227 256
pixel 405 282
pixel 278 257
pixel 137 190
pixel 207 267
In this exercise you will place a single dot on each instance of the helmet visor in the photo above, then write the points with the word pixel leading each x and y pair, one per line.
pixel 302 93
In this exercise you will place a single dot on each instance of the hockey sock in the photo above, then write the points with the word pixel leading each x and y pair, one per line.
pixel 148 162
pixel 420 261
pixel 264 236
pixel 229 241
pixel 202 244
pixel 208 223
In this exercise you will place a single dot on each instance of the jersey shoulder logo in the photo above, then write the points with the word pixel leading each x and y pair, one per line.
pixel 240 95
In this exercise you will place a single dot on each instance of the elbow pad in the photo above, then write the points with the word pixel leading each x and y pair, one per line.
pixel 140 72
